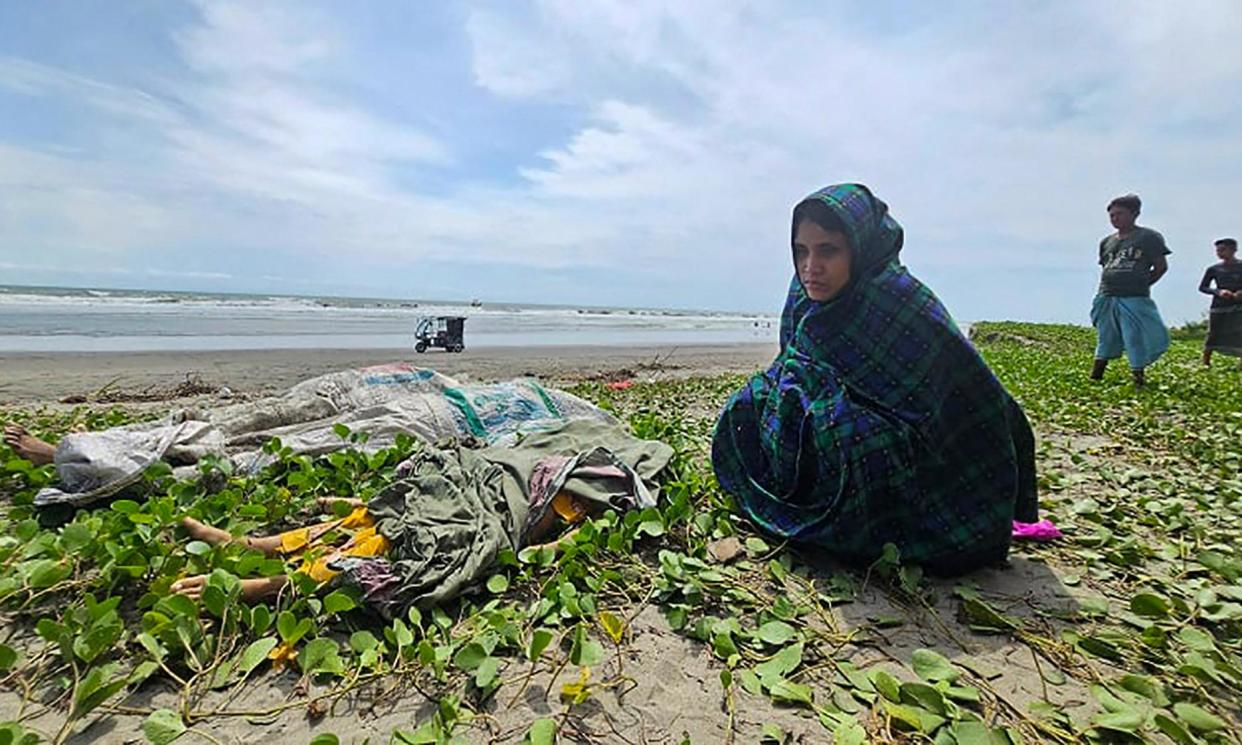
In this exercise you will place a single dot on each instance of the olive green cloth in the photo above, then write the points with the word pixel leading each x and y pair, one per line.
pixel 458 508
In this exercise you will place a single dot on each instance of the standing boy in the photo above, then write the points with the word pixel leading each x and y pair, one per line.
pixel 1225 317
pixel 1125 317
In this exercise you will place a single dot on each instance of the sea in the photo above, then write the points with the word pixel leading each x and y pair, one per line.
pixel 62 319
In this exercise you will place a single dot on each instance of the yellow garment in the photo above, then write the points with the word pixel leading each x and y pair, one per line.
pixel 569 508
pixel 366 541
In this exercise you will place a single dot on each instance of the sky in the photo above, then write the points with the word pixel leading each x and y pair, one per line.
pixel 627 153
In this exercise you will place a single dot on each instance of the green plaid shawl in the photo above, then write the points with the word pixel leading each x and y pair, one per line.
pixel 879 422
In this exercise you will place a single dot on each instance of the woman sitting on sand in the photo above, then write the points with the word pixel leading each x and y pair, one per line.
pixel 878 422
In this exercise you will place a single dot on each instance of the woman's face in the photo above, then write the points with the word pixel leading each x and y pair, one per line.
pixel 822 258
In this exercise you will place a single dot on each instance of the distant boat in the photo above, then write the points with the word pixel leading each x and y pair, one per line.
pixel 476 303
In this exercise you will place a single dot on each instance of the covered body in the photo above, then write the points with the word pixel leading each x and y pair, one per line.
pixel 456 508
pixel 878 422
pixel 383 401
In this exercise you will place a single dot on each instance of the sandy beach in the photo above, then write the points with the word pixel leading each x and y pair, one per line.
pixel 27 378
pixel 662 683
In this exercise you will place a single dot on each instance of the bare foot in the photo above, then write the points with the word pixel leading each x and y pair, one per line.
pixel 28 446
pixel 252 590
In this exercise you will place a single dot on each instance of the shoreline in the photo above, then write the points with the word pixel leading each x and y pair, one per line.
pixel 34 377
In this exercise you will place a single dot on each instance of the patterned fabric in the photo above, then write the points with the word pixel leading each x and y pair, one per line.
pixel 1131 325
pixel 571 486
pixel 878 422
pixel 569 508
pixel 493 411
pixel 453 509
pixel 364 541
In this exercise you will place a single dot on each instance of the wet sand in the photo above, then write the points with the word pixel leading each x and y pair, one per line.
pixel 46 377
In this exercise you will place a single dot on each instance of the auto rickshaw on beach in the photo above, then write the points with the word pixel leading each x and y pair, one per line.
pixel 444 332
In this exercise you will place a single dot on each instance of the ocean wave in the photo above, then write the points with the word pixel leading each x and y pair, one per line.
pixel 11 297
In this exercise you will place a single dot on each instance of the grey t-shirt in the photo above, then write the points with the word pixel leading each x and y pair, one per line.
pixel 1127 262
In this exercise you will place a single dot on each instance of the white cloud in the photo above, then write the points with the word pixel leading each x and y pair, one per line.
pixel 283 118
pixel 34 79
pixel 242 38
pixel 255 151
pixel 54 270
pixel 77 207
pixel 615 156
pixel 186 275
pixel 997 135
pixel 510 60
pixel 996 138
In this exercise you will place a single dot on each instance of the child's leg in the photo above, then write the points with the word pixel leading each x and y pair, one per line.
pixel 252 590
pixel 1097 370
pixel 272 545
pixel 201 531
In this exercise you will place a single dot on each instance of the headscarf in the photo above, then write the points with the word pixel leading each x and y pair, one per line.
pixel 875 239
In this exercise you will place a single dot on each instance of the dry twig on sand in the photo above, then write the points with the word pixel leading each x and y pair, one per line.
pixel 192 385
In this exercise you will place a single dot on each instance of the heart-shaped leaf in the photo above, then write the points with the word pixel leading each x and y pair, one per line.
pixel 933 666
pixel 163 726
